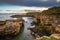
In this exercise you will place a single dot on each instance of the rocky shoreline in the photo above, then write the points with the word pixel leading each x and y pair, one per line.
pixel 10 28
pixel 47 23
pixel 40 34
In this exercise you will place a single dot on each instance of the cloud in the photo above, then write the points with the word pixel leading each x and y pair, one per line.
pixel 43 0
pixel 30 2
pixel 58 0
pixel 25 9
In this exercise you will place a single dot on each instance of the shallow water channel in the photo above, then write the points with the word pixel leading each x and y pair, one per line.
pixel 25 34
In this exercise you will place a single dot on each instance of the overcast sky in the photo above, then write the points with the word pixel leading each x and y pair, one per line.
pixel 39 3
pixel 31 2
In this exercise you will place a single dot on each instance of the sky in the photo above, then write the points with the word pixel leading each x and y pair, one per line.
pixel 16 4
pixel 10 7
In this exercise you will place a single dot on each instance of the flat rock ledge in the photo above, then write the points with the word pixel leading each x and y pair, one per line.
pixel 52 37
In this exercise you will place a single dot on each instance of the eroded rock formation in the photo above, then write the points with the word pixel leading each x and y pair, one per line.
pixel 10 27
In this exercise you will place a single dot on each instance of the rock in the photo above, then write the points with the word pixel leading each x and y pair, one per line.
pixel 57 29
pixel 42 38
pixel 47 38
pixel 11 27
pixel 56 36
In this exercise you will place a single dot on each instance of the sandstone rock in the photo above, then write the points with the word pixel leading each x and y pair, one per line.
pixel 11 27
pixel 57 29
pixel 56 36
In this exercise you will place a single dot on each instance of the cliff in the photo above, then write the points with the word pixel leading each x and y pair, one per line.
pixel 48 20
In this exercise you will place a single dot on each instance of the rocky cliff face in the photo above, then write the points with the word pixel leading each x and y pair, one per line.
pixel 50 19
pixel 51 22
pixel 11 27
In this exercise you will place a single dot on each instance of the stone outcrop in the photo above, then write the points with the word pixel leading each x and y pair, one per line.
pixel 48 38
pixel 56 36
pixel 50 22
pixel 10 27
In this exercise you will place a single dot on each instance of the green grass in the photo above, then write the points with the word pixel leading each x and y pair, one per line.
pixel 44 38
pixel 40 26
pixel 52 38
